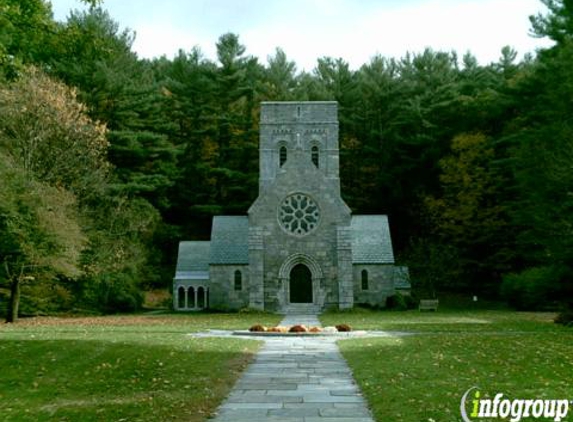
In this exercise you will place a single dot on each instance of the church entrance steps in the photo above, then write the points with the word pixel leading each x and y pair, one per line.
pixel 296 379
pixel 302 309
pixel 309 320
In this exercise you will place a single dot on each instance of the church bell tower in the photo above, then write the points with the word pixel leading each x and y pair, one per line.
pixel 310 127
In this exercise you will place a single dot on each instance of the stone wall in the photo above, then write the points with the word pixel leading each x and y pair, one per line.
pixel 319 246
pixel 222 287
pixel 380 284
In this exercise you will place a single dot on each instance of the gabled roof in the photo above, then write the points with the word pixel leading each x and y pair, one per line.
pixel 193 260
pixel 230 240
pixel 402 278
pixel 371 242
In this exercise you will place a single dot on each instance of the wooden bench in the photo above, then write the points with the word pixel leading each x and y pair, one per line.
pixel 428 305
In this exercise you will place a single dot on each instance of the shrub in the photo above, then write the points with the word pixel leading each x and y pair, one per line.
pixel 40 297
pixel 565 318
pixel 342 328
pixel 396 302
pixel 298 329
pixel 112 293
pixel 358 307
pixel 533 289
pixel 253 311
pixel 257 328
pixel 411 301
pixel 400 302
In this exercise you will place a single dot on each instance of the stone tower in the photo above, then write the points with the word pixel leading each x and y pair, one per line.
pixel 311 127
pixel 299 249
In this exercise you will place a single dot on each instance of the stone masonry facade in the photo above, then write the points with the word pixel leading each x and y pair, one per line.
pixel 299 247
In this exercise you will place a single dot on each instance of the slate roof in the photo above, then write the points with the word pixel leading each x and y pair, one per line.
pixel 402 278
pixel 371 242
pixel 230 240
pixel 192 275
pixel 193 261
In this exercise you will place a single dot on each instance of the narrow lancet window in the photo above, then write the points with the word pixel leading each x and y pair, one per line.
pixel 314 155
pixel 282 155
pixel 364 280
pixel 238 280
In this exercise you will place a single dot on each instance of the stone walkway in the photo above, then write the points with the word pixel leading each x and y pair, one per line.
pixel 296 379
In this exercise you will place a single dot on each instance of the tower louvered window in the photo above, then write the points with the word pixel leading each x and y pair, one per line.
pixel 314 155
pixel 282 155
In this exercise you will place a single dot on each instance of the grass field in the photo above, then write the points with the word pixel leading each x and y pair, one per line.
pixel 146 368
pixel 133 368
pixel 423 377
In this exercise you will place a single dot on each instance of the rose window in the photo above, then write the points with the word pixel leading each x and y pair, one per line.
pixel 298 214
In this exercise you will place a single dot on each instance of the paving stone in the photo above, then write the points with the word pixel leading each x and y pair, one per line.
pixel 347 405
pixel 348 392
pixel 319 406
pixel 263 398
pixel 234 406
pixel 335 419
pixel 338 381
pixel 229 406
pixel 265 386
pixel 291 379
pixel 317 397
pixel 294 412
pixel 291 393
pixel 266 418
pixel 242 413
pixel 296 379
pixel 333 412
pixel 313 387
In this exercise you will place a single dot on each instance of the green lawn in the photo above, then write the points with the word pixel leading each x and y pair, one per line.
pixel 423 377
pixel 145 368
pixel 120 368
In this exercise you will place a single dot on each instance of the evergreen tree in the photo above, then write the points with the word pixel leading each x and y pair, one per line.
pixel 280 79
pixel 469 217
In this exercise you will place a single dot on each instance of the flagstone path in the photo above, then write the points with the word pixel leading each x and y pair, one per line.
pixel 296 379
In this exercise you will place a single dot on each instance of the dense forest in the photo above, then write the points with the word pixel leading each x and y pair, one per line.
pixel 108 160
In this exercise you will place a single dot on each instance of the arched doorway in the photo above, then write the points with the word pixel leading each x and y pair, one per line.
pixel 300 284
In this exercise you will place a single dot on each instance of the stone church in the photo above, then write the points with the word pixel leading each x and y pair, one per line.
pixel 299 248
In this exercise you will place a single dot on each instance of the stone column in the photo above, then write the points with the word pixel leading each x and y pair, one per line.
pixel 256 268
pixel 345 283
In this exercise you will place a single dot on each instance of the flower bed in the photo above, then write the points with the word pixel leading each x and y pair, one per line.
pixel 299 329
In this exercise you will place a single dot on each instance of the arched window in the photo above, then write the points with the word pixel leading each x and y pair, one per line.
pixel 191 297
pixel 238 280
pixel 314 155
pixel 200 297
pixel 282 155
pixel 181 297
pixel 364 280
